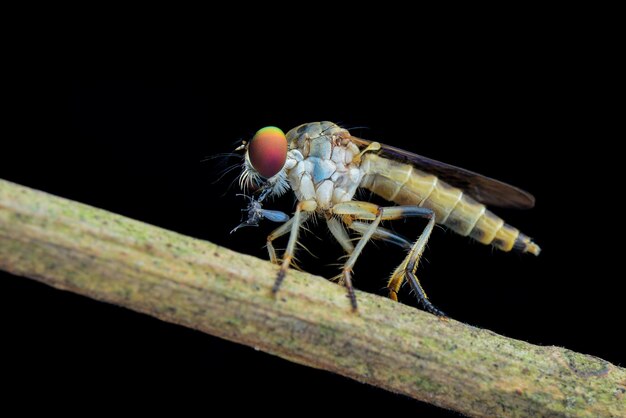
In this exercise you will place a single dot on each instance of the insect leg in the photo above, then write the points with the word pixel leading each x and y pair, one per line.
pixel 368 211
pixel 336 228
pixel 357 210
pixel 339 232
pixel 421 295
pixel 407 268
pixel 396 280
pixel 383 234
pixel 307 206
pixel 279 232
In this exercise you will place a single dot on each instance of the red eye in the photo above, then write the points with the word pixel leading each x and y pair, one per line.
pixel 268 151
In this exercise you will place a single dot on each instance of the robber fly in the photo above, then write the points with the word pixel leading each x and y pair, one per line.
pixel 324 165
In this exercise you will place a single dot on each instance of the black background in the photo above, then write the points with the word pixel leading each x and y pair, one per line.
pixel 134 147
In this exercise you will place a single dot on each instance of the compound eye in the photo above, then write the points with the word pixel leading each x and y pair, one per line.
pixel 268 151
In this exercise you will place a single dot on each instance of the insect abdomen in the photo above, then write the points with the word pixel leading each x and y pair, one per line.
pixel 405 185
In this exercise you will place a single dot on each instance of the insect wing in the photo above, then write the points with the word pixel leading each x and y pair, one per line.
pixel 274 215
pixel 484 189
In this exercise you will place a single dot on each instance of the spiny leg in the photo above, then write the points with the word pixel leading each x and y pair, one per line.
pixel 335 226
pixel 304 206
pixel 279 232
pixel 360 210
pixel 407 268
pixel 368 211
pixel 382 234
pixel 409 265
pixel 339 232
pixel 395 283
pixel 387 236
pixel 421 295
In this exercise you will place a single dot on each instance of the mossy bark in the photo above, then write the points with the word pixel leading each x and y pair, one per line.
pixel 200 285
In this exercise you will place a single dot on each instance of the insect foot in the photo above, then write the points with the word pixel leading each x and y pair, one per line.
pixel 347 281
pixel 279 278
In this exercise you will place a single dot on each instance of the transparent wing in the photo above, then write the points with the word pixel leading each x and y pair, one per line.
pixel 484 189
pixel 274 215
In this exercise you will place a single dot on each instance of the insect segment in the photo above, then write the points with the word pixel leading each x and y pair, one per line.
pixel 324 165
pixel 256 213
pixel 404 184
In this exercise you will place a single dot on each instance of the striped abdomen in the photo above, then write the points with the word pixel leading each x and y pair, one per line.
pixel 406 185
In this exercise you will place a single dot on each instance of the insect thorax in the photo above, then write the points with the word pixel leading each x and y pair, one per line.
pixel 321 163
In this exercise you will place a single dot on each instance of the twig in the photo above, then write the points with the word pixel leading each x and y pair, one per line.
pixel 197 284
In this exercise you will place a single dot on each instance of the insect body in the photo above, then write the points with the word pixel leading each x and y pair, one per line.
pixel 256 213
pixel 325 165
